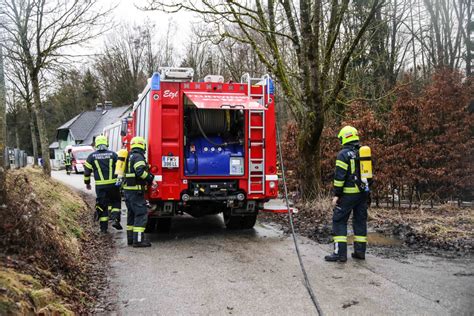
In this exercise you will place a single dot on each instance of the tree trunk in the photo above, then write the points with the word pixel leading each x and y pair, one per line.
pixel 310 150
pixel 469 43
pixel 17 134
pixel 3 132
pixel 43 137
pixel 34 139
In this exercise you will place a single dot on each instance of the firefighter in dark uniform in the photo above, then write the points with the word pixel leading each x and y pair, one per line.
pixel 350 195
pixel 102 164
pixel 137 177
pixel 68 161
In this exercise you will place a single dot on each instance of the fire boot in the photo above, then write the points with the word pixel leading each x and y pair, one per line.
pixel 359 250
pixel 103 226
pixel 139 240
pixel 116 224
pixel 129 237
pixel 340 253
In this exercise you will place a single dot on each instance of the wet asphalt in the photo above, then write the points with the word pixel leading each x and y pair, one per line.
pixel 200 268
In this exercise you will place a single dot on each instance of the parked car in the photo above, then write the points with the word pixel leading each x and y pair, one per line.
pixel 79 156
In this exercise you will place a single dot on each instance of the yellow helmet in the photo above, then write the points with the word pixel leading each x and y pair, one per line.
pixel 138 142
pixel 348 134
pixel 100 140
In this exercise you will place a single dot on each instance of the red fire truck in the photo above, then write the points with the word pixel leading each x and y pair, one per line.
pixel 211 146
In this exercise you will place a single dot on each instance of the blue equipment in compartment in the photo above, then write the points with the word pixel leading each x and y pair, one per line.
pixel 206 159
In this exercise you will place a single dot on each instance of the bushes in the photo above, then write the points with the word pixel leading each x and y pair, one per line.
pixel 422 148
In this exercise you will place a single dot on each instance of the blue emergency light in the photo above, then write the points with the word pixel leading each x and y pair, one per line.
pixel 155 81
pixel 271 87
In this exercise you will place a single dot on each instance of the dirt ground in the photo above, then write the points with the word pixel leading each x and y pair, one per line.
pixel 446 230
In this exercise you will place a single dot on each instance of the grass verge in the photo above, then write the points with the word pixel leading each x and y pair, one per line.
pixel 52 261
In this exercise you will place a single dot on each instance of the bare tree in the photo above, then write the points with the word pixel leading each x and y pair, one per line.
pixel 313 27
pixel 3 132
pixel 13 104
pixel 37 34
pixel 440 31
pixel 18 78
pixel 130 56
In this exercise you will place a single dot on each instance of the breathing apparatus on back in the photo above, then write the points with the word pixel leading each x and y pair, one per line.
pixel 120 165
pixel 350 134
pixel 136 142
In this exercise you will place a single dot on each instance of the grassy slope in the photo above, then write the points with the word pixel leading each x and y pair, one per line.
pixel 41 242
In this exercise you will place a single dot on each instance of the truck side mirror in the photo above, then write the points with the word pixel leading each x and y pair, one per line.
pixel 124 127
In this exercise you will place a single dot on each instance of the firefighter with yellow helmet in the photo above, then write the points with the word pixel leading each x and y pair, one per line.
pixel 351 186
pixel 101 163
pixel 137 177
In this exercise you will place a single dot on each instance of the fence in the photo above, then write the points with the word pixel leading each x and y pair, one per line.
pixel 15 158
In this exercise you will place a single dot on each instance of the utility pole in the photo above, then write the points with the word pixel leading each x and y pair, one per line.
pixel 3 131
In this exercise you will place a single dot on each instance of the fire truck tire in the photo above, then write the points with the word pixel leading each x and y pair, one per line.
pixel 248 222
pixel 163 225
pixel 239 221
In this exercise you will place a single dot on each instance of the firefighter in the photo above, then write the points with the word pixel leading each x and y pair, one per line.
pixel 68 161
pixel 137 176
pixel 102 164
pixel 350 195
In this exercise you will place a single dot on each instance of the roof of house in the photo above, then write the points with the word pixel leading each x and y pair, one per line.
pixel 85 126
pixel 112 115
pixel 68 123
pixel 81 125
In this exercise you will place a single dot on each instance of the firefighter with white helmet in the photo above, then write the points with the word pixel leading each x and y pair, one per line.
pixel 101 163
pixel 351 186
pixel 137 177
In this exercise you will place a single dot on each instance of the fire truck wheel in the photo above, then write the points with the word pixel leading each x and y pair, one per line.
pixel 248 222
pixel 151 225
pixel 163 225
pixel 239 222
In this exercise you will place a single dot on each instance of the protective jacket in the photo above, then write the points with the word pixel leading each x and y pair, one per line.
pixel 67 159
pixel 102 163
pixel 347 174
pixel 137 173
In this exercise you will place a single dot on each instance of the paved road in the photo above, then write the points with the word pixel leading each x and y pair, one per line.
pixel 203 269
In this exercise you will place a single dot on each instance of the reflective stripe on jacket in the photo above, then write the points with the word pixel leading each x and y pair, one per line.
pixel 102 164
pixel 137 173
pixel 68 159
pixel 347 170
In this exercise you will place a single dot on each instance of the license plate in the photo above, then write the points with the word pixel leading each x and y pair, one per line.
pixel 170 162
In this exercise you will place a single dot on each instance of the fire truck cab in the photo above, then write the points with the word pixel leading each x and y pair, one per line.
pixel 211 146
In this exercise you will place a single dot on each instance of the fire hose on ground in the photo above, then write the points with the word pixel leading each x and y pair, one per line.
pixel 307 283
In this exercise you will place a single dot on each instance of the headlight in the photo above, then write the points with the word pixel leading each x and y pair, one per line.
pixel 272 184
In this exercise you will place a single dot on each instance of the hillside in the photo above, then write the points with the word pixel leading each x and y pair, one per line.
pixel 51 260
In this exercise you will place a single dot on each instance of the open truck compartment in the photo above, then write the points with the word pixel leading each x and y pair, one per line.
pixel 213 142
